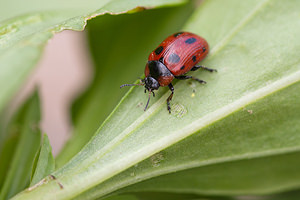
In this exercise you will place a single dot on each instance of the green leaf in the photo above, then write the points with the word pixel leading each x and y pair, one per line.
pixel 263 158
pixel 6 155
pixel 256 54
pixel 226 159
pixel 8 142
pixel 24 37
pixel 131 50
pixel 123 197
pixel 163 196
pixel 26 125
pixel 291 195
pixel 45 162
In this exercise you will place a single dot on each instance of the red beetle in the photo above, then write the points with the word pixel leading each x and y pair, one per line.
pixel 175 56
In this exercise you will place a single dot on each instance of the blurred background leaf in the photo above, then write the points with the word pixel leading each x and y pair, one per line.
pixel 20 148
pixel 8 142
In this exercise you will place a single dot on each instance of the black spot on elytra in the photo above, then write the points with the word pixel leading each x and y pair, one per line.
pixel 158 50
pixel 190 40
pixel 182 67
pixel 174 58
pixel 161 59
pixel 177 34
pixel 204 49
pixel 194 58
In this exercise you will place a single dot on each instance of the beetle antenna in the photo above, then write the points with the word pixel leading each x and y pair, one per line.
pixel 142 80
pixel 148 100
pixel 130 85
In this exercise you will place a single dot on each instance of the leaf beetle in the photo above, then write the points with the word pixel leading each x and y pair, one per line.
pixel 172 59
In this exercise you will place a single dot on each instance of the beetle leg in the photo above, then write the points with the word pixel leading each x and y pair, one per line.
pixel 203 67
pixel 190 77
pixel 170 97
pixel 148 100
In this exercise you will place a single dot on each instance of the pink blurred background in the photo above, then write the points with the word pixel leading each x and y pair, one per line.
pixel 62 73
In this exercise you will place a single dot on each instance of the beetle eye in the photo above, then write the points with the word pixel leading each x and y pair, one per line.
pixel 155 85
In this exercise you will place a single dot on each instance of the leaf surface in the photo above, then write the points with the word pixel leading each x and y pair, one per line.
pixel 45 162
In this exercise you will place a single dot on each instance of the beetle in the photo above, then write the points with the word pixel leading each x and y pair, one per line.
pixel 172 59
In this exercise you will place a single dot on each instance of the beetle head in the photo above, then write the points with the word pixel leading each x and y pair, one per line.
pixel 151 83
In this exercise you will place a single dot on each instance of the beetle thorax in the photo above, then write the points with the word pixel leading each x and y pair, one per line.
pixel 158 71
